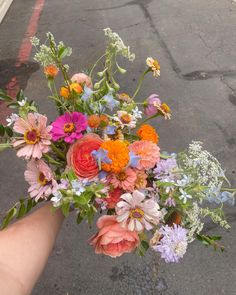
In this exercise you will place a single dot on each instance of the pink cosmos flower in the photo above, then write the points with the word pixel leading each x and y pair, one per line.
pixel 113 239
pixel 41 179
pixel 151 105
pixel 69 126
pixel 136 212
pixel 148 151
pixel 125 179
pixel 36 137
pixel 82 78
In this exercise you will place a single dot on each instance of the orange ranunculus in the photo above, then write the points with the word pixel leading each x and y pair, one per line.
pixel 51 71
pixel 118 152
pixel 82 79
pixel 147 132
pixel 79 156
pixel 76 87
pixel 113 239
pixel 94 121
pixel 64 92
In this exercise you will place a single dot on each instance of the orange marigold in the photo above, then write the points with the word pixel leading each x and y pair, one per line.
pixel 64 92
pixel 94 121
pixel 76 87
pixel 118 152
pixel 51 71
pixel 147 132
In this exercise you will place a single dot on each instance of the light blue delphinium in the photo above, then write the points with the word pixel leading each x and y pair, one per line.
pixel 88 92
pixel 111 103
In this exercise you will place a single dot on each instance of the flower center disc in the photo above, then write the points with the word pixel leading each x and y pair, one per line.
pixel 156 65
pixel 69 127
pixel 42 179
pixel 122 176
pixel 126 118
pixel 31 136
pixel 136 213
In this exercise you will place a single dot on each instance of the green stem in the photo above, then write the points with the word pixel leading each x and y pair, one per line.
pixel 147 119
pixel 140 83
pixel 96 63
pixel 58 151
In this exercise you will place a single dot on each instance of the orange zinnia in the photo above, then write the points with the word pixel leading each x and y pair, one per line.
pixel 94 121
pixel 51 71
pixel 147 132
pixel 118 152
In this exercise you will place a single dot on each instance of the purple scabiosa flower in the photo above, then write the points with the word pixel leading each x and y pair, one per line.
pixel 150 109
pixel 164 168
pixel 173 243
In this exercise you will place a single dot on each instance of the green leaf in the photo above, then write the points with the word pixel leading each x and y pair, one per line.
pixel 62 52
pixel 9 216
pixel 20 95
pixel 65 209
pixel 164 184
pixel 22 210
pixel 4 146
pixel 71 175
pixel 9 131
pixel 2 130
pixel 79 218
pixel 4 96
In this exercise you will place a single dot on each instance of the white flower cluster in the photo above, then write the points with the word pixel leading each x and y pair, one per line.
pixel 193 222
pixel 208 168
pixel 44 54
pixel 215 217
pixel 117 43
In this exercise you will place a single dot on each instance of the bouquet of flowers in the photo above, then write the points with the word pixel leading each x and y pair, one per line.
pixel 101 156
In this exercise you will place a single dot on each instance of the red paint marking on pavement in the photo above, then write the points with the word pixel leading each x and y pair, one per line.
pixel 24 53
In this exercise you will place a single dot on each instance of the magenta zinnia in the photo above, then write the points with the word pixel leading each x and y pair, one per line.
pixel 41 179
pixel 36 137
pixel 69 127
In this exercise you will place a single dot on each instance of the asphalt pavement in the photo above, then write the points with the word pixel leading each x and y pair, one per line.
pixel 194 40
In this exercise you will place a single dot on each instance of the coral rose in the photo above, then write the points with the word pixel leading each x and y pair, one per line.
pixel 79 156
pixel 82 78
pixel 112 239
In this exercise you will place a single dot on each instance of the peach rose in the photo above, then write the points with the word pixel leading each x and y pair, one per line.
pixel 82 78
pixel 112 239
pixel 79 156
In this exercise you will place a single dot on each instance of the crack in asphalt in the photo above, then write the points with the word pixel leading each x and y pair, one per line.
pixel 192 76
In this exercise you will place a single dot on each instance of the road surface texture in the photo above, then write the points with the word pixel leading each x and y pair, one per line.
pixel 195 44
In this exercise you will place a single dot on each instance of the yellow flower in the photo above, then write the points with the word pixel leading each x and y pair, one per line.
pixel 154 65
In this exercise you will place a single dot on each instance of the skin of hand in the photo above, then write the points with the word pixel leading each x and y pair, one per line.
pixel 24 249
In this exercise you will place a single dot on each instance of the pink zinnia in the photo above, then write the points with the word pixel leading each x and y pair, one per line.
pixel 36 137
pixel 69 127
pixel 148 151
pixel 124 179
pixel 41 179
pixel 137 212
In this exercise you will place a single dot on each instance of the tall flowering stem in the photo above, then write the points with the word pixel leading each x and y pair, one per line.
pixel 140 82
